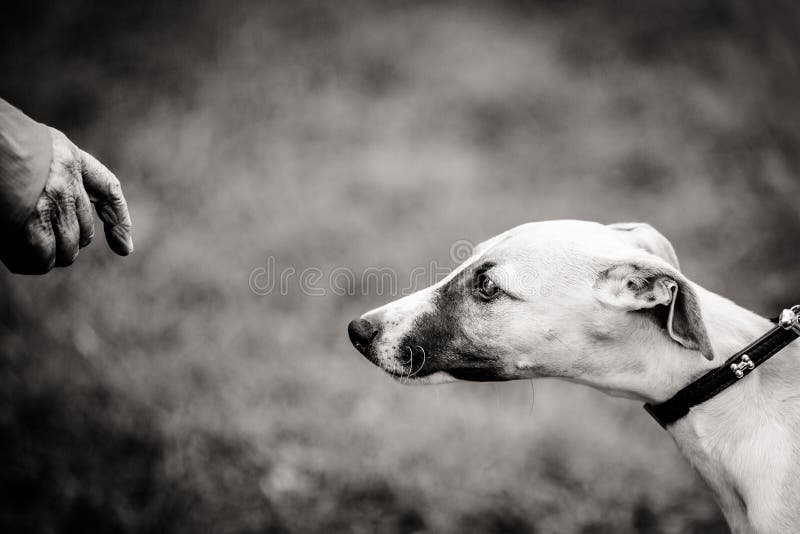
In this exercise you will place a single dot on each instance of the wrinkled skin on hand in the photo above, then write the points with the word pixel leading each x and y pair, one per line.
pixel 62 222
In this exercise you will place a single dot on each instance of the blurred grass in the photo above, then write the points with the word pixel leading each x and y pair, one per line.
pixel 159 394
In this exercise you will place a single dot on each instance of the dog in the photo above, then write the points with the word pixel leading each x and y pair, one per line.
pixel 608 306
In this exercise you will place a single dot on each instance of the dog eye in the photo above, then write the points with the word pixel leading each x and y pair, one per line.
pixel 487 288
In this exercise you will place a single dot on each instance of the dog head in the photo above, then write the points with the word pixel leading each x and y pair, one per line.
pixel 593 303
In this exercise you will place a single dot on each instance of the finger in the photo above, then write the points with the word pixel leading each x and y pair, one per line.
pixel 106 192
pixel 66 232
pixel 83 211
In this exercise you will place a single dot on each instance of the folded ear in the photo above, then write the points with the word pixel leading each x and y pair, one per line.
pixel 662 290
pixel 645 237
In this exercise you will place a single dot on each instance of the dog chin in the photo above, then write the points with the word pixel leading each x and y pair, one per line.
pixel 439 377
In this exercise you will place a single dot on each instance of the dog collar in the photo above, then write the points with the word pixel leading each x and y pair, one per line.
pixel 735 368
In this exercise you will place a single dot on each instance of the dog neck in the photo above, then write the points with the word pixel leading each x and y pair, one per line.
pixel 744 440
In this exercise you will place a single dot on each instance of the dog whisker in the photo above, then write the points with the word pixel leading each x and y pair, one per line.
pixel 422 365
pixel 404 380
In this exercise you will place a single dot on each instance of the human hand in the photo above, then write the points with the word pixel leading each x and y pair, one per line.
pixel 62 221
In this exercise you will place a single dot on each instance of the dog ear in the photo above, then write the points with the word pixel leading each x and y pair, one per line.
pixel 645 237
pixel 661 290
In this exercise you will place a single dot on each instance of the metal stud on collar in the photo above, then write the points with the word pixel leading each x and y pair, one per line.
pixel 790 319
pixel 746 364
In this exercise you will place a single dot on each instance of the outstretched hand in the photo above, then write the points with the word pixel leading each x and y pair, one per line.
pixel 62 222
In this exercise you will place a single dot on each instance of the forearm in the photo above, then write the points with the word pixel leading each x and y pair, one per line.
pixel 25 156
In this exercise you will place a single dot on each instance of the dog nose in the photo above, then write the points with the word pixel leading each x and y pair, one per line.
pixel 361 333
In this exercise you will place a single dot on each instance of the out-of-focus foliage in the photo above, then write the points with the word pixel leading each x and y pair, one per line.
pixel 157 393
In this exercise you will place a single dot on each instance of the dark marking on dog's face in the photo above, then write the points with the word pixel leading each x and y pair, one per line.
pixel 447 334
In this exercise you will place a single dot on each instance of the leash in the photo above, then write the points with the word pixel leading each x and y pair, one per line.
pixel 735 368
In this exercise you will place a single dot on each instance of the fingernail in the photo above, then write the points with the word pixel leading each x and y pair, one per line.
pixel 123 240
pixel 129 242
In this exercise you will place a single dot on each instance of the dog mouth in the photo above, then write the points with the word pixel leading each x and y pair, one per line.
pixel 412 367
pixel 476 374
pixel 410 370
pixel 467 374
pixel 416 363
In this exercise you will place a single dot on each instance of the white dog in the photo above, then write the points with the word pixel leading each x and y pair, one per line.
pixel 608 306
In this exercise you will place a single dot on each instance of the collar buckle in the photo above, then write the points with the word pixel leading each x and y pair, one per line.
pixel 790 319
pixel 745 365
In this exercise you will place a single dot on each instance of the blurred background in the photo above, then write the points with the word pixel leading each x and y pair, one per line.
pixel 159 393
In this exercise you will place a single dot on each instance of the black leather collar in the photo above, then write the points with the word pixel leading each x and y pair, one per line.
pixel 735 368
